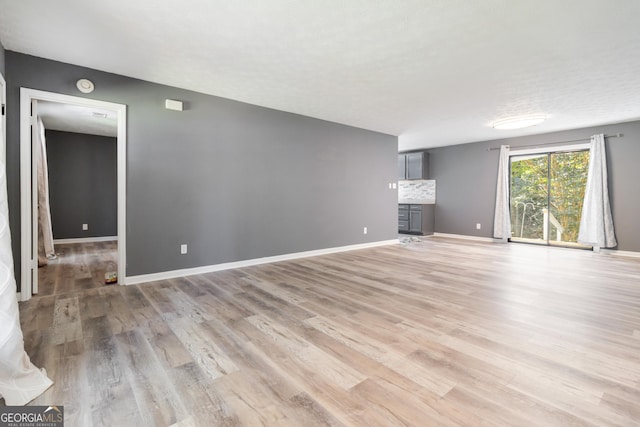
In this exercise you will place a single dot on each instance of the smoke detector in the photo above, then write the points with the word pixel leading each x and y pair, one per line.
pixel 85 86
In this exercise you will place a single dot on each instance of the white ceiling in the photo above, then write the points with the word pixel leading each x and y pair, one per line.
pixel 74 118
pixel 434 72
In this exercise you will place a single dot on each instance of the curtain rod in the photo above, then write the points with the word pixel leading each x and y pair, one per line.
pixel 615 135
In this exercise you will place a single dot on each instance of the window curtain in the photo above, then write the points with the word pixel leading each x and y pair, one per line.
pixel 46 250
pixel 596 223
pixel 20 381
pixel 502 216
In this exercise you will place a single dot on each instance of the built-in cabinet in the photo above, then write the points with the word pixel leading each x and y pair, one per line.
pixel 415 219
pixel 413 165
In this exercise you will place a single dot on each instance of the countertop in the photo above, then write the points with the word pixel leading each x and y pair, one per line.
pixel 416 202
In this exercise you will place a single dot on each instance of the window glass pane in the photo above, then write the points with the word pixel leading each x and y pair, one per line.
pixel 529 196
pixel 566 195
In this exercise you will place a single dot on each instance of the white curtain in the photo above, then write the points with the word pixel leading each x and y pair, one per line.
pixel 502 216
pixel 596 224
pixel 20 381
pixel 45 232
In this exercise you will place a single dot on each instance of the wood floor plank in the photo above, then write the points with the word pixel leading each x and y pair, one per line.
pixel 333 370
pixel 195 339
pixel 120 316
pixel 92 304
pixel 201 397
pixel 302 376
pixel 390 353
pixel 250 402
pixel 223 309
pixel 37 313
pixel 157 401
pixel 67 324
pixel 395 406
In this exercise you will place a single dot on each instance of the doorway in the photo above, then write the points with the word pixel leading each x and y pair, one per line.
pixel 29 180
pixel 546 195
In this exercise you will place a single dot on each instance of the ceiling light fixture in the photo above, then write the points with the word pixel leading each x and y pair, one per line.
pixel 519 122
pixel 85 86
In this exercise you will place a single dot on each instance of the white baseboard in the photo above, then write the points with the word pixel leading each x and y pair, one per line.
pixel 85 240
pixel 615 252
pixel 132 280
pixel 465 237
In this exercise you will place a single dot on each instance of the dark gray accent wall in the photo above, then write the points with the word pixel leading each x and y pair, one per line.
pixel 233 181
pixel 466 181
pixel 2 60
pixel 82 184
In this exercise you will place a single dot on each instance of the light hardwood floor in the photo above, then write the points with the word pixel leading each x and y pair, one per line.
pixel 78 266
pixel 434 333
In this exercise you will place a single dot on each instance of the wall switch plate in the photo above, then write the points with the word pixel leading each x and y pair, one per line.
pixel 85 226
pixel 183 249
pixel 390 186
pixel 364 231
pixel 478 226
pixel 395 185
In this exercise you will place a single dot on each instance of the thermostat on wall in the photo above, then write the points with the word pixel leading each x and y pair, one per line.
pixel 172 104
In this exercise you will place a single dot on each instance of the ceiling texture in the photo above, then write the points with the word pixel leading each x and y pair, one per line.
pixel 77 119
pixel 433 72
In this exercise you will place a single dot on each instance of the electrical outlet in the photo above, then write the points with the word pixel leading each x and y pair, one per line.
pixel 85 226
pixel 394 185
pixel 364 231
pixel 183 249
pixel 478 226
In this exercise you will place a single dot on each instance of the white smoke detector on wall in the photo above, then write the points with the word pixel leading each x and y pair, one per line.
pixel 85 86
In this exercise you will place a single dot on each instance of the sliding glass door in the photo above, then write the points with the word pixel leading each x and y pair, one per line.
pixel 529 197
pixel 547 191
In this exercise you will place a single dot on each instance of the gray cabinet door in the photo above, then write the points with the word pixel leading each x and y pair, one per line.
pixel 402 167
pixel 403 218
pixel 415 165
pixel 403 214
pixel 415 221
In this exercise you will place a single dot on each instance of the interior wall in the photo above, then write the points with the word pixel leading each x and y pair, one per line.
pixel 2 60
pixel 83 184
pixel 233 181
pixel 466 180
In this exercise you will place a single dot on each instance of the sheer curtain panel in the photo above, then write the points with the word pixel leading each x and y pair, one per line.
pixel 20 381
pixel 502 216
pixel 46 250
pixel 596 223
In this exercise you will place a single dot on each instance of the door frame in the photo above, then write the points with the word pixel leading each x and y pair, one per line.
pixel 547 150
pixel 3 122
pixel 3 145
pixel 27 184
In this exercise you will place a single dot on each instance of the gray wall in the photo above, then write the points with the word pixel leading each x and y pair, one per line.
pixel 466 181
pixel 82 184
pixel 2 60
pixel 233 181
